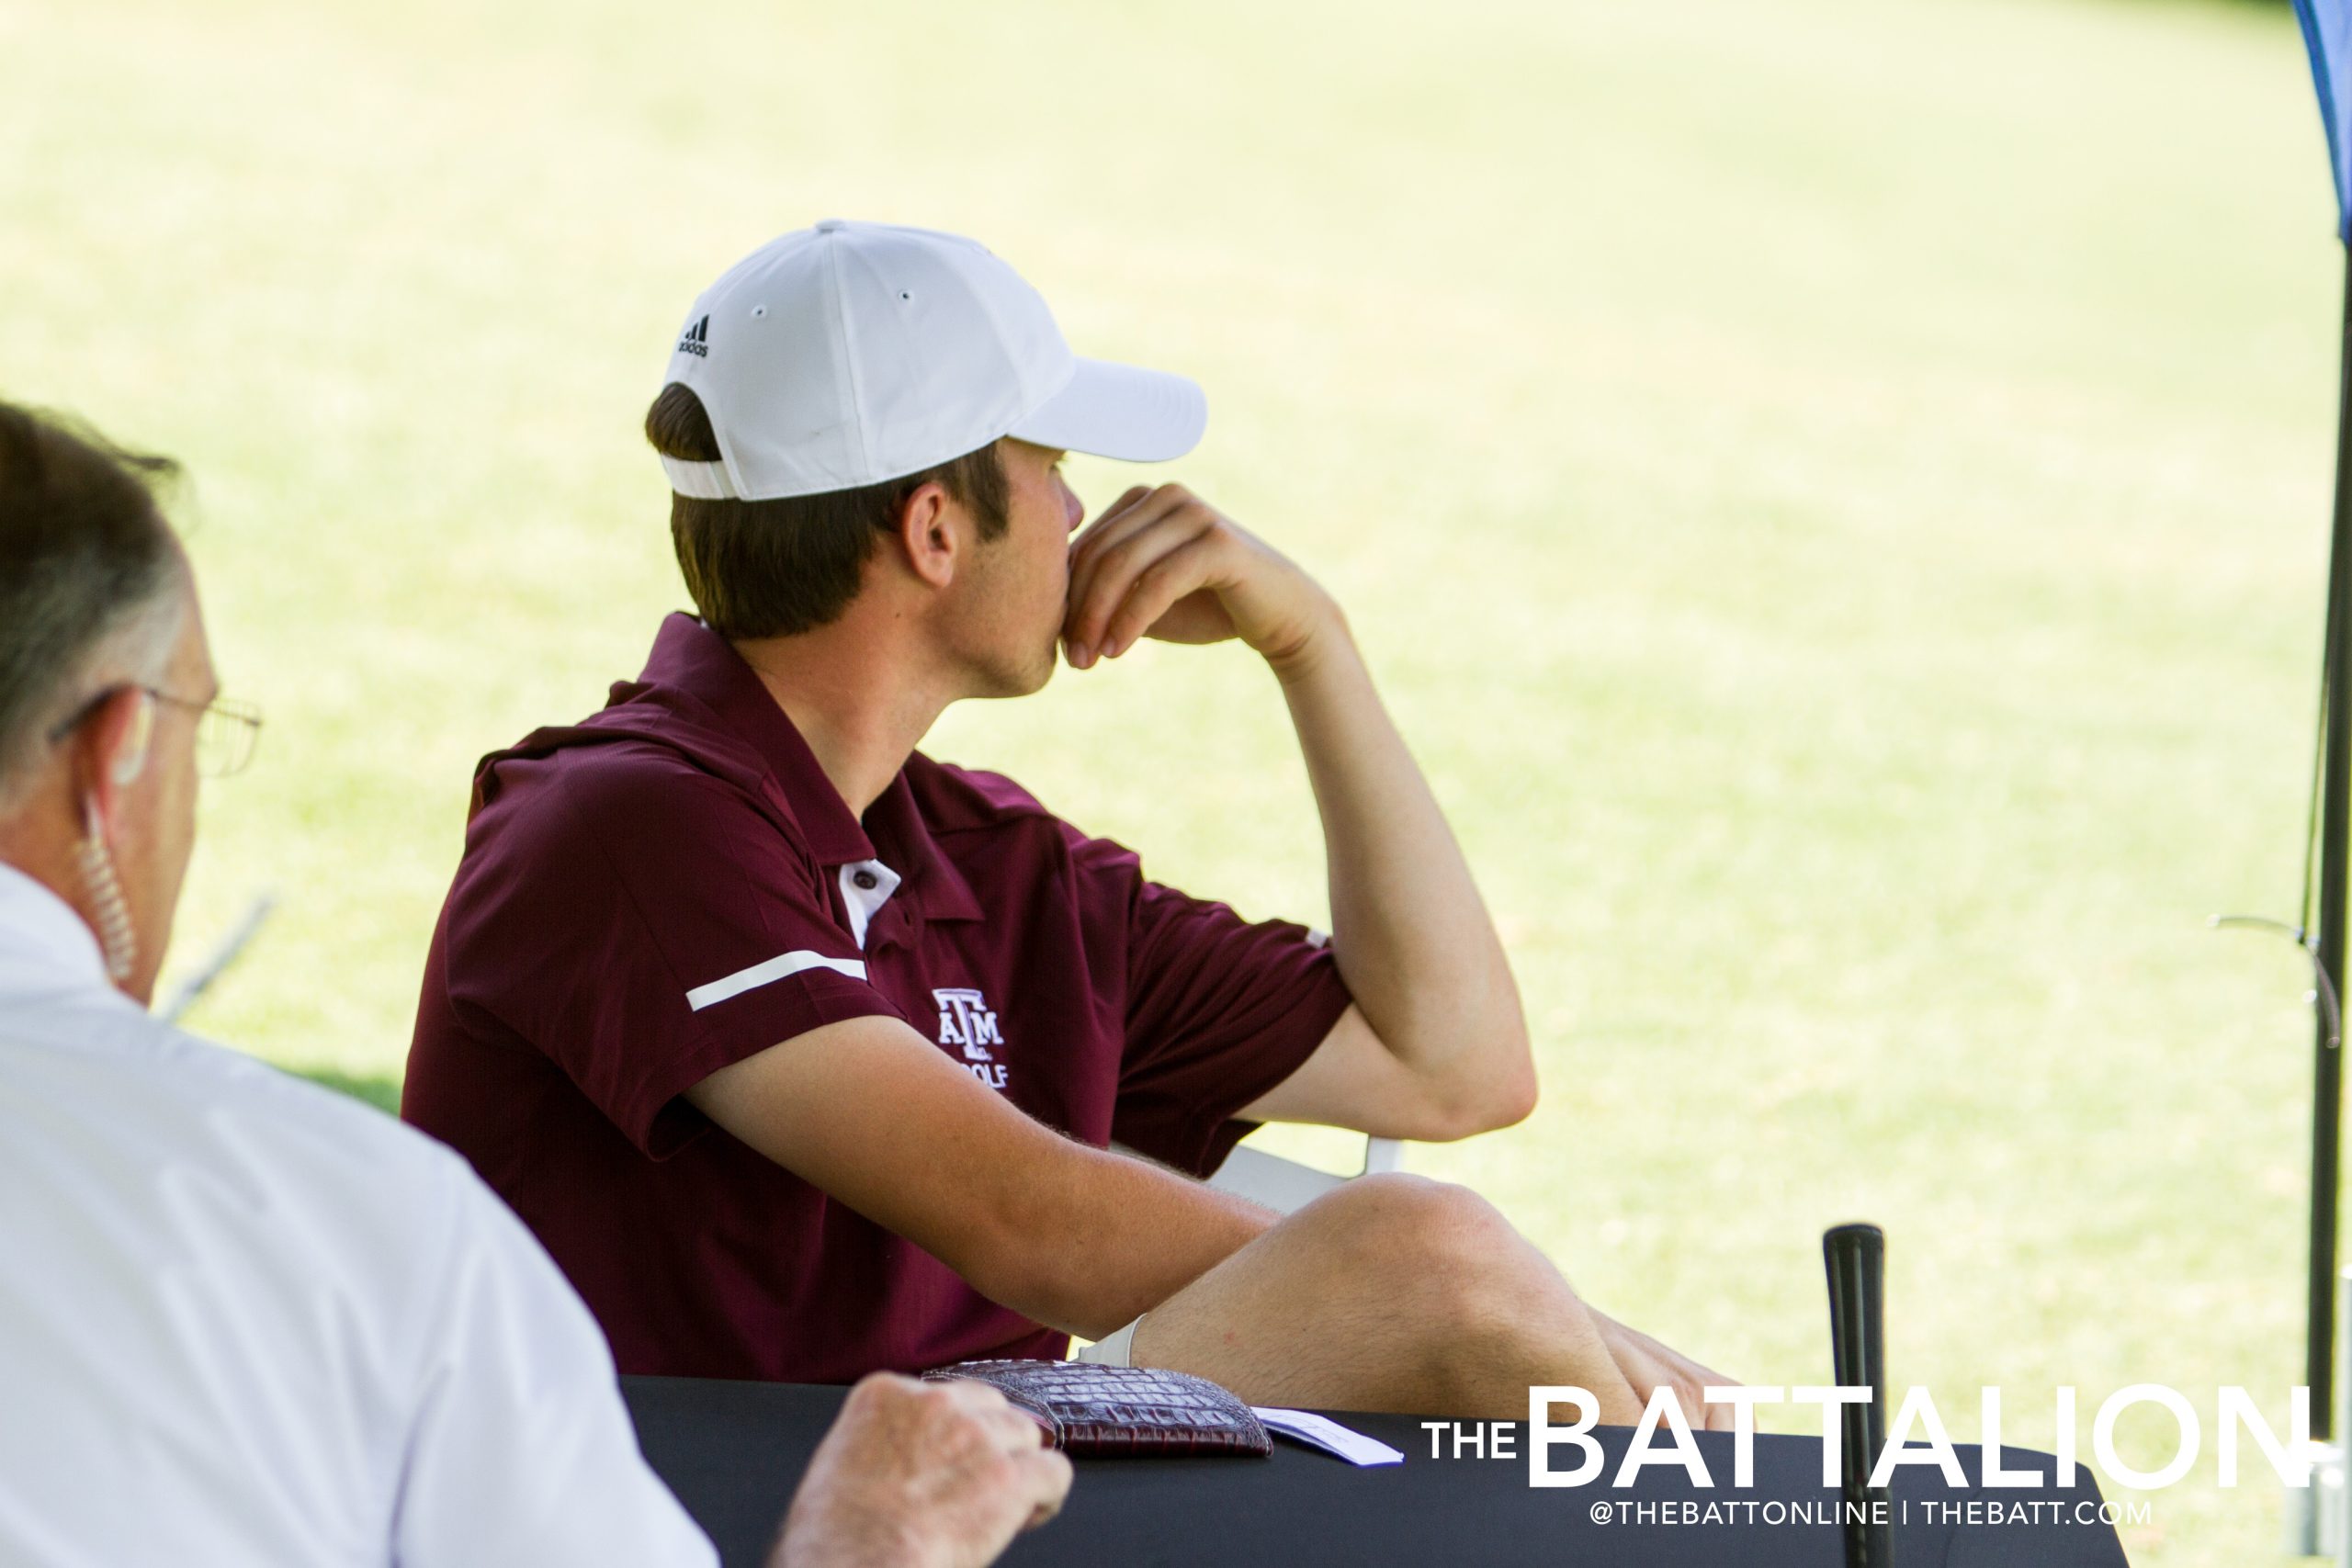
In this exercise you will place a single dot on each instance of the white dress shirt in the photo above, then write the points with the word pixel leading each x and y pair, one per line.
pixel 247 1321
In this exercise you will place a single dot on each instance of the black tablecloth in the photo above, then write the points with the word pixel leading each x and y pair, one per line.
pixel 733 1451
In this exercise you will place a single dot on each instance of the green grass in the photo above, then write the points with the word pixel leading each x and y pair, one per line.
pixel 1835 492
pixel 382 1090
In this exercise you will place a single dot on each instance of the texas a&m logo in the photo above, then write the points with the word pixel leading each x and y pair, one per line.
pixel 966 1021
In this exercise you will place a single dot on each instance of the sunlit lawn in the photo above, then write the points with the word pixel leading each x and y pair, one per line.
pixel 1834 491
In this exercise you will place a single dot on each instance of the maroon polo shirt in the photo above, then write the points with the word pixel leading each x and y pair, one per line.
pixel 674 884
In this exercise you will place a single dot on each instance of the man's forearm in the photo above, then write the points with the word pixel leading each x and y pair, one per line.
pixel 1072 1236
pixel 1412 937
pixel 1111 1238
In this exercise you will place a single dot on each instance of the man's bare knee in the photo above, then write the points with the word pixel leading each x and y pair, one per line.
pixel 1392 1221
pixel 1439 1257
pixel 1437 1252
pixel 1392 1292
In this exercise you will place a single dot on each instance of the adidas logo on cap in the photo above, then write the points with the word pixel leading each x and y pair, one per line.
pixel 698 340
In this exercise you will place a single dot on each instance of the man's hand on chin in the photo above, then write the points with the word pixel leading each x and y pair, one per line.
pixel 1163 563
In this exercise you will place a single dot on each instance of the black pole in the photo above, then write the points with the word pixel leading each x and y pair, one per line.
pixel 1855 1259
pixel 2335 838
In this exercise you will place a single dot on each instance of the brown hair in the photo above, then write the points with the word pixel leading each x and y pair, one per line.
pixel 760 569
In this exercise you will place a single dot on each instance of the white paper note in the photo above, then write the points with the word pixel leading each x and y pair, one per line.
pixel 1320 1432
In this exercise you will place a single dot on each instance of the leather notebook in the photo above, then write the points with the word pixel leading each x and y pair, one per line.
pixel 1090 1409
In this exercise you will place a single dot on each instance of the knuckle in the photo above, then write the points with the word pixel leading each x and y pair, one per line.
pixel 1049 1474
pixel 954 1404
pixel 885 1388
pixel 969 1394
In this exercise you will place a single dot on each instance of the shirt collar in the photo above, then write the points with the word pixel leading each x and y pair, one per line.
pixel 44 945
pixel 689 657
pixel 938 886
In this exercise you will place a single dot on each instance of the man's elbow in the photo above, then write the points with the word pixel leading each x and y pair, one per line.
pixel 1484 1108
pixel 1512 1099
pixel 1499 1092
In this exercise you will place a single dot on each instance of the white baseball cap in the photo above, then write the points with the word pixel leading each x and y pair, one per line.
pixel 849 354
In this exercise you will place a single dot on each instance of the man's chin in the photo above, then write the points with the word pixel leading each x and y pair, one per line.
pixel 1019 682
pixel 1039 679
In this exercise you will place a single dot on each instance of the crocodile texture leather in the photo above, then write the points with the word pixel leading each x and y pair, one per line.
pixel 1088 1409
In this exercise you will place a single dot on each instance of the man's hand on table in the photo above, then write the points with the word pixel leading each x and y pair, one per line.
pixel 921 1475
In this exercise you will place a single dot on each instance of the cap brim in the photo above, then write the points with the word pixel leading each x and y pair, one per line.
pixel 1120 411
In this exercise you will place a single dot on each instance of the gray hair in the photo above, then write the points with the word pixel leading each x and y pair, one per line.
pixel 89 578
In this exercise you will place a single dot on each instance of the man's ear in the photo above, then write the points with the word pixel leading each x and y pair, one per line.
pixel 927 535
pixel 111 750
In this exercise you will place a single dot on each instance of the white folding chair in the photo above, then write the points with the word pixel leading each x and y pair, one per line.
pixel 1286 1186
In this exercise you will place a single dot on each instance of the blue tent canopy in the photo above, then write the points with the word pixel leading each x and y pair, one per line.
pixel 2327 34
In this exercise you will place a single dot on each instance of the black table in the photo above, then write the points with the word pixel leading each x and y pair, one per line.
pixel 733 1451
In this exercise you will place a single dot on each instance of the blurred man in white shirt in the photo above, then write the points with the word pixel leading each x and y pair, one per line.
pixel 244 1320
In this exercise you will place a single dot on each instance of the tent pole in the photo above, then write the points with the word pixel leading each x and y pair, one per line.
pixel 2335 838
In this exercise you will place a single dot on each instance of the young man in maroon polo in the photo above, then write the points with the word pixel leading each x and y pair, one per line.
pixel 801 1051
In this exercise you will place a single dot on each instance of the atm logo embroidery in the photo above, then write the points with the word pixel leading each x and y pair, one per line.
pixel 968 1023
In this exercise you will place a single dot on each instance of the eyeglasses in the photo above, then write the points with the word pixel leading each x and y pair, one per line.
pixel 227 731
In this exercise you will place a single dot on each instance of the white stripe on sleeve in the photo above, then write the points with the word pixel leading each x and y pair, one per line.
pixel 775 969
